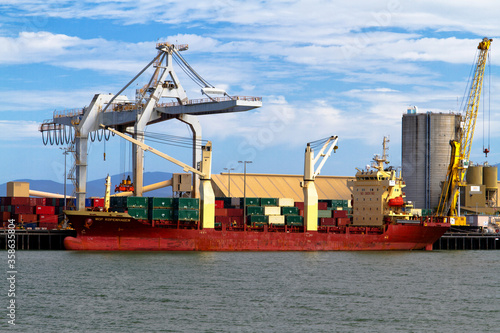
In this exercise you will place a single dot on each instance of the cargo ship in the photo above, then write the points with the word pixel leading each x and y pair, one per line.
pixel 379 219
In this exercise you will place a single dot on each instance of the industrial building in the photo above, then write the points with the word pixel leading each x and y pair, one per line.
pixel 426 154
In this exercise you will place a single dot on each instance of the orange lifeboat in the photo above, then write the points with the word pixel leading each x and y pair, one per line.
pixel 396 202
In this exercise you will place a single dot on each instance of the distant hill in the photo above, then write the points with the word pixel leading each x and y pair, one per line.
pixel 95 188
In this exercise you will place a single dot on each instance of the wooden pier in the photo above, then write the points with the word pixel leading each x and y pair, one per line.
pixel 36 239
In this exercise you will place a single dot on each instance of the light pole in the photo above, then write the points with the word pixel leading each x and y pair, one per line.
pixel 65 150
pixel 244 188
pixel 229 181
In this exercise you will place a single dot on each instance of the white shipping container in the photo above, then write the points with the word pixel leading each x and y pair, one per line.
pixel 269 210
pixel 276 219
pixel 286 202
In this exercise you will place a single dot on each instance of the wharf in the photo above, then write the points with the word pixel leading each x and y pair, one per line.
pixel 467 241
pixel 37 239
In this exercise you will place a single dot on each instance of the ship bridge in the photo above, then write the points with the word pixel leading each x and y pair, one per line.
pixel 76 126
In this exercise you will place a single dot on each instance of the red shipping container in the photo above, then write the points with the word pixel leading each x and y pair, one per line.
pixel 219 203
pixel 48 225
pixel 41 201
pixel 339 213
pixel 46 210
pixel 327 221
pixel 234 212
pixel 299 205
pixel 5 216
pixel 220 211
pixel 33 202
pixel 48 218
pixel 18 201
pixel 322 205
pixel 22 209
pixel 98 202
pixel 25 218
pixel 343 221
pixel 301 212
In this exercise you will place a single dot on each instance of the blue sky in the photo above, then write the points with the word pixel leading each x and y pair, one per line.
pixel 322 68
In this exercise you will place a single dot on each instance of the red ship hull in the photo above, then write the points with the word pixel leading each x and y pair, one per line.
pixel 119 232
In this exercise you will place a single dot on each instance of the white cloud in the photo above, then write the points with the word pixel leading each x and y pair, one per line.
pixel 15 130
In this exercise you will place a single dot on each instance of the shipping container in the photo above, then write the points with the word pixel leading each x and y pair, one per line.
pixel 48 210
pixel 235 202
pixel 137 202
pixel 322 205
pixel 339 213
pixel 187 215
pixel 299 205
pixel 138 213
pixel 293 218
pixel 324 213
pixel 234 212
pixel 31 225
pixel 51 218
pixel 187 203
pixel 269 201
pixel 343 221
pixel 257 218
pixel 97 202
pixel 255 210
pixel 5 216
pixel 327 222
pixel 161 214
pixel 250 201
pixel 295 224
pixel 276 219
pixel 23 218
pixel 17 201
pixel 289 211
pixel 219 204
pixel 286 202
pixel 271 210
pixel 22 209
pixel 220 211
pixel 161 202
pixel 118 202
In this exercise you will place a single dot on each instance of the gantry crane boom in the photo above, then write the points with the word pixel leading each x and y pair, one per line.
pixel 460 149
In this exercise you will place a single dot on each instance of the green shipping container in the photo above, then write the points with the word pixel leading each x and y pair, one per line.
pixel 324 213
pixel 293 219
pixel 289 211
pixel 161 214
pixel 138 213
pixel 255 210
pixel 295 224
pixel 257 219
pixel 269 201
pixel 187 203
pixel 187 215
pixel 258 224
pixel 137 202
pixel 161 203
pixel 251 201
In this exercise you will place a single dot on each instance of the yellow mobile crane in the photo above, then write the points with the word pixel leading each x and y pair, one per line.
pixel 460 149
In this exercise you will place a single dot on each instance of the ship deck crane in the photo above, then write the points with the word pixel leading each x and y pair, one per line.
pixel 460 149
pixel 310 173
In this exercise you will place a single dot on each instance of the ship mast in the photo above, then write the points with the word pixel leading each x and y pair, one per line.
pixel 378 162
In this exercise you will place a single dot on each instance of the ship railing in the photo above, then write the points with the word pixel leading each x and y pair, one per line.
pixel 69 113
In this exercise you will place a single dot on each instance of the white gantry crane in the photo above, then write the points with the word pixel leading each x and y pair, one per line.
pixel 118 112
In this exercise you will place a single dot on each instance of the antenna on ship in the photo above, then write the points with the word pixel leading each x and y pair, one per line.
pixel 378 162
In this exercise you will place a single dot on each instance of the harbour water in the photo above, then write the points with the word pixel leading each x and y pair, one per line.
pixel 439 291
